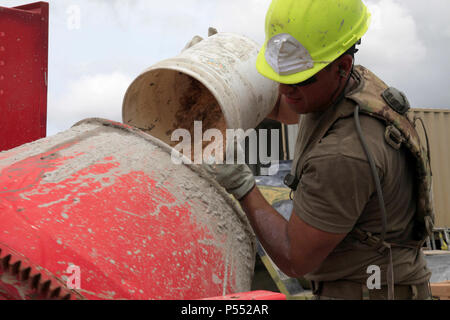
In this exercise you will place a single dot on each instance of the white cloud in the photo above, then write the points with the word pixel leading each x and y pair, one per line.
pixel 447 32
pixel 91 67
pixel 400 47
pixel 392 39
pixel 244 17
pixel 98 95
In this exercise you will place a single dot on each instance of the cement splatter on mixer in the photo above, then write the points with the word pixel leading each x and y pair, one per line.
pixel 100 191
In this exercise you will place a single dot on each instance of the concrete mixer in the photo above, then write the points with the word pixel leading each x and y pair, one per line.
pixel 106 198
pixel 100 211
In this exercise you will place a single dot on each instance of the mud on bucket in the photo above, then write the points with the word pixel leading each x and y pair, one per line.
pixel 215 82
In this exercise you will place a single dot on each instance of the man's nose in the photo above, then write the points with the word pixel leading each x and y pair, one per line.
pixel 286 89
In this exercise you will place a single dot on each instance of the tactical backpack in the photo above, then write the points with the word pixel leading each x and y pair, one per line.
pixel 400 122
pixel 394 110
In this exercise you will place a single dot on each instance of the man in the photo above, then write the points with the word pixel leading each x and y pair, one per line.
pixel 343 181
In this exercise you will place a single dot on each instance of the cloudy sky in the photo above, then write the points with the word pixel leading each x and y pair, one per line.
pixel 98 47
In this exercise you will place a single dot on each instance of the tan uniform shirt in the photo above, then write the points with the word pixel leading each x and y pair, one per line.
pixel 337 193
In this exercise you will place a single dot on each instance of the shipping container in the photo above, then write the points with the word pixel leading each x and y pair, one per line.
pixel 437 123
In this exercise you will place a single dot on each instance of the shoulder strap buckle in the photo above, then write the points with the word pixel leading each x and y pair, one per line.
pixel 394 137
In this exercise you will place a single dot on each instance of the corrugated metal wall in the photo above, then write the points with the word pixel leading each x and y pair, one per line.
pixel 437 122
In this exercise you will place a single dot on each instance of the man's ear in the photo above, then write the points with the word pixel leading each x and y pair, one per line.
pixel 345 65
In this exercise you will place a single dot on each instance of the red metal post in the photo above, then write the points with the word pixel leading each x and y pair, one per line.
pixel 23 74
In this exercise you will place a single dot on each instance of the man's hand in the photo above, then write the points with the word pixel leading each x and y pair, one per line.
pixel 236 178
pixel 197 39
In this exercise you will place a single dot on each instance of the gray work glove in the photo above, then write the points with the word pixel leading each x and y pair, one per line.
pixel 236 178
pixel 197 39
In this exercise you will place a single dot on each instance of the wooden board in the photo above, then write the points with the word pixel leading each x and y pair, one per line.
pixel 441 290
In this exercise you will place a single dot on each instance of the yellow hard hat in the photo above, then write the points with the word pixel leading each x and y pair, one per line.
pixel 304 36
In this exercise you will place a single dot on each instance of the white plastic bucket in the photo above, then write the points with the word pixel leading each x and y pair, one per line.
pixel 219 73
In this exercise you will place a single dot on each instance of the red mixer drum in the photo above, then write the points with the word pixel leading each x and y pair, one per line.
pixel 101 212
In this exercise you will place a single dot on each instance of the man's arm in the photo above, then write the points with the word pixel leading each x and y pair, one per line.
pixel 333 192
pixel 283 113
pixel 294 246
